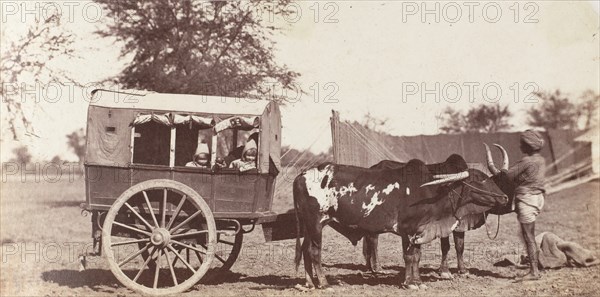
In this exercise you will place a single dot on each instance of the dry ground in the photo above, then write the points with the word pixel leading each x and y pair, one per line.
pixel 39 218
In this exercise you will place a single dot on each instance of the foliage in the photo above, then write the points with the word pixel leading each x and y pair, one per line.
pixel 557 111
pixel 198 47
pixel 76 141
pixel 27 61
pixel 373 123
pixel 304 158
pixel 22 155
pixel 56 160
pixel 587 109
pixel 482 118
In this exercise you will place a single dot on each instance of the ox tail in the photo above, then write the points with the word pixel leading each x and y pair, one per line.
pixel 296 193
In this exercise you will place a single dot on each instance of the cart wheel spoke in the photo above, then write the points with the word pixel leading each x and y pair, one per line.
pixel 156 270
pixel 220 259
pixel 179 219
pixel 150 208
pixel 137 214
pixel 189 246
pixel 144 265
pixel 176 213
pixel 180 258
pixel 134 255
pixel 130 242
pixel 171 269
pixel 199 256
pixel 163 209
pixel 185 221
pixel 133 228
pixel 175 259
pixel 179 235
pixel 226 242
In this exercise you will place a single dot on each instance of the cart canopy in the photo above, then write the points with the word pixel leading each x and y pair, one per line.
pixel 112 117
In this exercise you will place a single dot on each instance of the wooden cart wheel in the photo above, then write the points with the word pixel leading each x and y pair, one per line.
pixel 164 218
pixel 227 251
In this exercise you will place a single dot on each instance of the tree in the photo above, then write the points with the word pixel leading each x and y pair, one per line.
pixel 56 160
pixel 587 109
pixel 76 141
pixel 27 60
pixel 555 111
pixel 488 119
pixel 198 47
pixel 452 121
pixel 373 123
pixel 304 158
pixel 22 155
pixel 482 118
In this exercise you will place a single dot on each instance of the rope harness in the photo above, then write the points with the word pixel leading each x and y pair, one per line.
pixel 455 207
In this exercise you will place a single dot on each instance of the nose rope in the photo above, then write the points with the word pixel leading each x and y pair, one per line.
pixel 487 229
pixel 455 208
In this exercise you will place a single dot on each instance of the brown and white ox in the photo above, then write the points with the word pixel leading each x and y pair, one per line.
pixel 468 222
pixel 409 201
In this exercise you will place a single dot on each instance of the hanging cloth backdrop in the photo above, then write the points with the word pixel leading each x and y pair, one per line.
pixel 202 122
pixel 164 119
pixel 238 122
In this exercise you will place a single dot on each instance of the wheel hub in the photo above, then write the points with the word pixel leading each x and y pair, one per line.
pixel 160 237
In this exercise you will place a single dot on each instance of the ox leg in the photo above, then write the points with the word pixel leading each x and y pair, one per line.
pixel 444 270
pixel 415 264
pixel 308 271
pixel 459 245
pixel 370 243
pixel 316 248
pixel 407 251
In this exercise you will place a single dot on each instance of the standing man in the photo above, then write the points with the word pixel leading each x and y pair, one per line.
pixel 528 176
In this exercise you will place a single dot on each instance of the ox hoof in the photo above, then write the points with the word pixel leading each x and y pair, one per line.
pixel 446 275
pixel 464 274
pixel 422 287
pixel 411 286
pixel 302 288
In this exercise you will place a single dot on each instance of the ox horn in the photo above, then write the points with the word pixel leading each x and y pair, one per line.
pixel 504 156
pixel 490 161
pixel 445 178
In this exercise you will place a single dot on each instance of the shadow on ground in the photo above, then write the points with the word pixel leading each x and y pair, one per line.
pixel 96 279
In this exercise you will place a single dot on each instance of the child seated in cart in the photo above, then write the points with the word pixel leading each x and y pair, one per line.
pixel 248 159
pixel 201 157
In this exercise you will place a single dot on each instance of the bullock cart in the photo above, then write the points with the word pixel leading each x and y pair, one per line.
pixel 162 220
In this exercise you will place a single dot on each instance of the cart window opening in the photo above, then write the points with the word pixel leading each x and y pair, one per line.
pixel 111 129
pixel 192 141
pixel 239 149
pixel 151 144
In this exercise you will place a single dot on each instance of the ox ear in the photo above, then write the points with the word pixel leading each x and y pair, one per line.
pixel 435 228
pixel 456 163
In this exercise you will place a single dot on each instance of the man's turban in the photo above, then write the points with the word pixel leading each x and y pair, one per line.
pixel 533 139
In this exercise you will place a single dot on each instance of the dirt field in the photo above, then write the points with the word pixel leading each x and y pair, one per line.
pixel 42 233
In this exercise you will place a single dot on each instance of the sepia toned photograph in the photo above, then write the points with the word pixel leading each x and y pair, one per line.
pixel 299 148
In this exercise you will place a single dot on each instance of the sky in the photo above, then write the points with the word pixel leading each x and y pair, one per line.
pixel 392 59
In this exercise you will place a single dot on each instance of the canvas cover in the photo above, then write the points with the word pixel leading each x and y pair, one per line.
pixel 109 123
pixel 201 104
